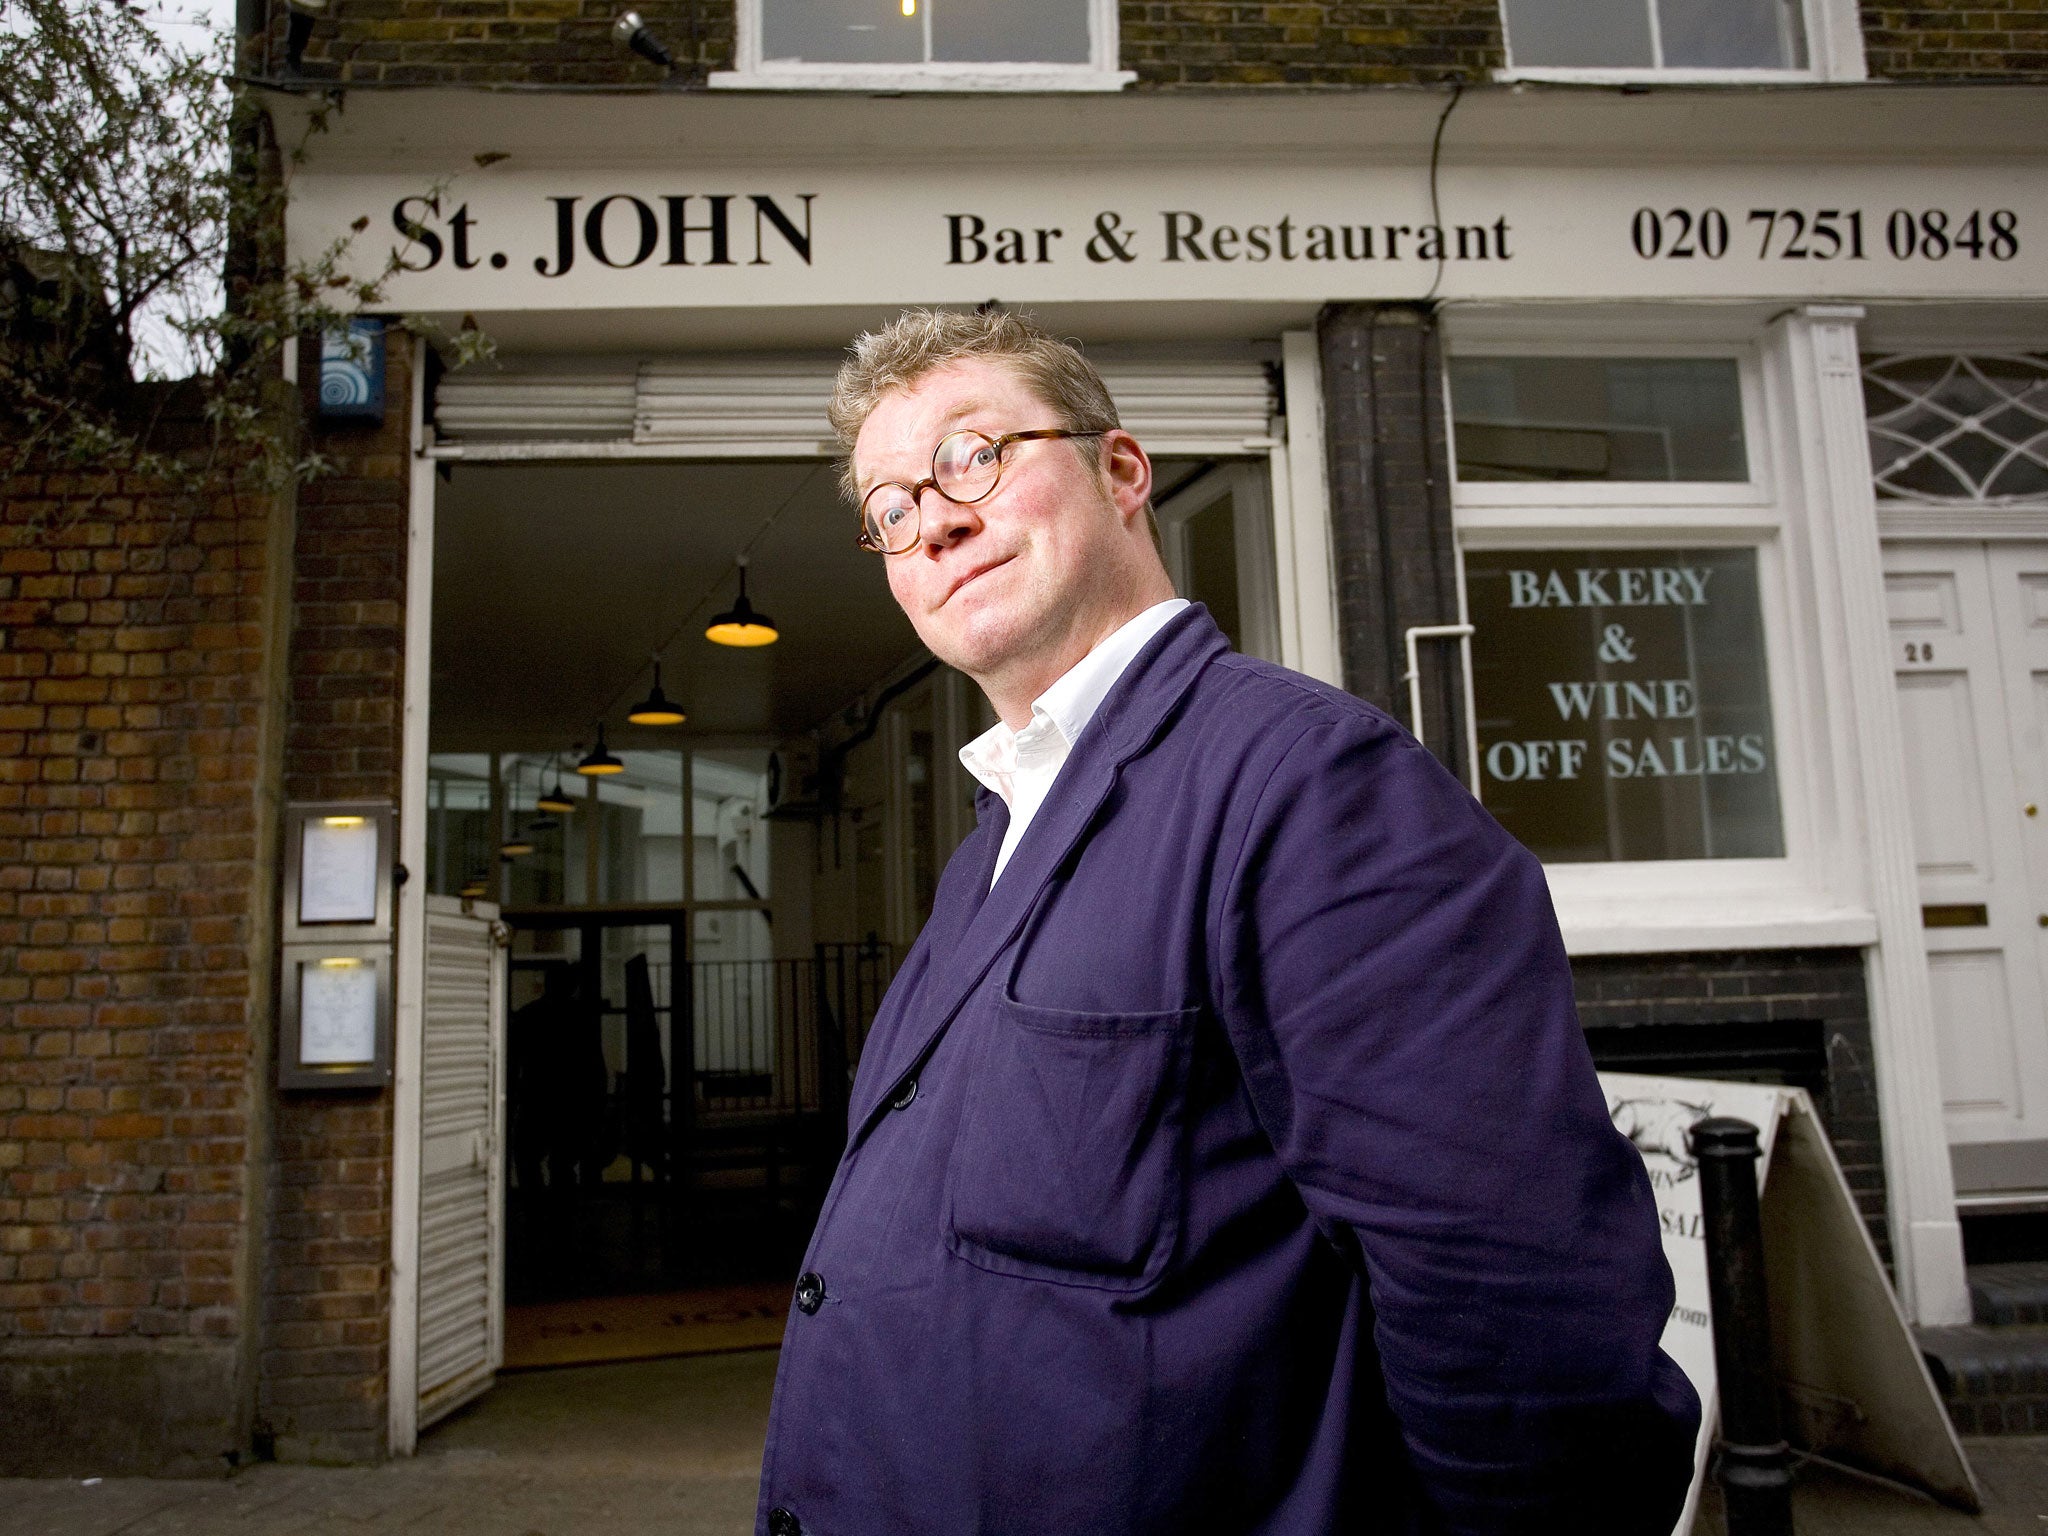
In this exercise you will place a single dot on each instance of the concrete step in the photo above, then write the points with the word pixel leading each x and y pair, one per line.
pixel 2005 1294
pixel 1994 1378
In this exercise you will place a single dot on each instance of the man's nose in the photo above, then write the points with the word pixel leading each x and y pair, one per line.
pixel 943 523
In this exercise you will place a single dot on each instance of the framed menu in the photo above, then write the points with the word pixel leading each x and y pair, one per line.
pixel 338 861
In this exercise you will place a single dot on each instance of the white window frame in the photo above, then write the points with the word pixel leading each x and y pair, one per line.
pixel 1258 588
pixel 1804 897
pixel 751 73
pixel 1834 51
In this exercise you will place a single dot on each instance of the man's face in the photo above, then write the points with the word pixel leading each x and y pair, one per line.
pixel 1035 564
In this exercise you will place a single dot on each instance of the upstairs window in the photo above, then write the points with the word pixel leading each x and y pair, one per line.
pixel 923 32
pixel 925 45
pixel 1689 38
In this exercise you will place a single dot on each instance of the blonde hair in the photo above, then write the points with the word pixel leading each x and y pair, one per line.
pixel 922 341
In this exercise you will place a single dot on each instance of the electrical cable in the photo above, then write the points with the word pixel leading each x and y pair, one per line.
pixel 1436 215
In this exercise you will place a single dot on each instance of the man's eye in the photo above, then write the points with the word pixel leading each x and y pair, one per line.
pixel 891 516
pixel 984 456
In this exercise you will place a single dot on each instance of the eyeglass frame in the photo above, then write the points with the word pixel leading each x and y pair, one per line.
pixel 931 481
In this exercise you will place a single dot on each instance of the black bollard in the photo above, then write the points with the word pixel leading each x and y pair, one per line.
pixel 1756 1464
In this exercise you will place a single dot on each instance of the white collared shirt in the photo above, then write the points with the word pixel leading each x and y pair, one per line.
pixel 1021 765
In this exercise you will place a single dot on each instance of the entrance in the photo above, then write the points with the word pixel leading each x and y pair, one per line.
pixel 1969 624
pixel 698 940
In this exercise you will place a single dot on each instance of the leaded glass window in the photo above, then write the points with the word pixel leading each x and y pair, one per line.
pixel 1948 427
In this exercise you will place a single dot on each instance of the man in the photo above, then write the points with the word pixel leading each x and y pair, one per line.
pixel 1226 1156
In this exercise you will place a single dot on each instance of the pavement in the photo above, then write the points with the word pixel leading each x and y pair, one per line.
pixel 673 1448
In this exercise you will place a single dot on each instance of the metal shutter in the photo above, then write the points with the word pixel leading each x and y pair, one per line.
pixel 461 1332
pixel 1193 400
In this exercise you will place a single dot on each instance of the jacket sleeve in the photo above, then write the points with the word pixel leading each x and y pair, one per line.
pixel 1391 974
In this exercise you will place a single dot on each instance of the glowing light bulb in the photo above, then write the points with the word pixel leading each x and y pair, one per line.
pixel 910 7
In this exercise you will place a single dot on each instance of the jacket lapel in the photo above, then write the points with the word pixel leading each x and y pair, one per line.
pixel 969 930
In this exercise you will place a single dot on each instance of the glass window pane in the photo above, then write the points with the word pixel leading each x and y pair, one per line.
pixel 1624 709
pixel 637 828
pixel 1581 34
pixel 1598 418
pixel 840 32
pixel 729 827
pixel 1003 31
pixel 461 844
pixel 1211 536
pixel 1958 428
pixel 1731 34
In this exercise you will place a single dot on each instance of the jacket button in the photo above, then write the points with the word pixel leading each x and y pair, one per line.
pixel 810 1295
pixel 782 1523
pixel 905 1095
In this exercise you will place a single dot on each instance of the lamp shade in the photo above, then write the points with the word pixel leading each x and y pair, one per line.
pixel 555 800
pixel 516 846
pixel 599 761
pixel 740 625
pixel 656 709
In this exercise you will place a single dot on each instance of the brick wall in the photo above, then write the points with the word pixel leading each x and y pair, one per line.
pixel 1766 1005
pixel 1177 43
pixel 134 944
pixel 326 1308
pixel 1983 40
pixel 568 42
pixel 487 42
pixel 1167 43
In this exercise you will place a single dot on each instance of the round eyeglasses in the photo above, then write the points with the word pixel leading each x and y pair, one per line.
pixel 965 468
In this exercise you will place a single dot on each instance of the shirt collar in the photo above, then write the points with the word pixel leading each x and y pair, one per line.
pixel 1062 712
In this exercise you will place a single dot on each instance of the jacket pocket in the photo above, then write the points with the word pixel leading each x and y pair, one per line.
pixel 1066 1165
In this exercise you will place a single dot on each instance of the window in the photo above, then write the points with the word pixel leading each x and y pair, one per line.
pixel 1647 694
pixel 1957 428
pixel 1700 38
pixel 925 45
pixel 1624 702
pixel 1216 533
pixel 1598 418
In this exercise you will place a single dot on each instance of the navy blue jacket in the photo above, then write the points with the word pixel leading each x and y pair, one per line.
pixel 1235 1165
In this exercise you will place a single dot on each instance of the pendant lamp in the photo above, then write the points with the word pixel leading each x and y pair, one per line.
pixel 599 760
pixel 656 709
pixel 740 625
pixel 516 846
pixel 474 887
pixel 555 801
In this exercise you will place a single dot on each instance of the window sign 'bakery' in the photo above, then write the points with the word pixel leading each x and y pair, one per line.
pixel 1624 708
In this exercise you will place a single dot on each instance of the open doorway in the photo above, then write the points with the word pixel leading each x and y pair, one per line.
pixel 699 939
pixel 695 949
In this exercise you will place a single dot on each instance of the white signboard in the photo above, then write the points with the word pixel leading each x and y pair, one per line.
pixel 338 868
pixel 1848 1368
pixel 337 1012
pixel 520 238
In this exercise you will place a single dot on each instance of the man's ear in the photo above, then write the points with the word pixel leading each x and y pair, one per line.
pixel 1128 469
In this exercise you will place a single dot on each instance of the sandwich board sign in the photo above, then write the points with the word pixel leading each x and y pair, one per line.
pixel 1853 1386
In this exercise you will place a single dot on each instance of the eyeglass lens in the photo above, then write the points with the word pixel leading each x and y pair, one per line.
pixel 965 468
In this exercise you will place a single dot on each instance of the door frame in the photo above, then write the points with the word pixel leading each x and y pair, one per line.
pixel 1983 527
pixel 1304 575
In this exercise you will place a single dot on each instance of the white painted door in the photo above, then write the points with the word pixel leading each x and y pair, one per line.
pixel 1969 624
pixel 462 1124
